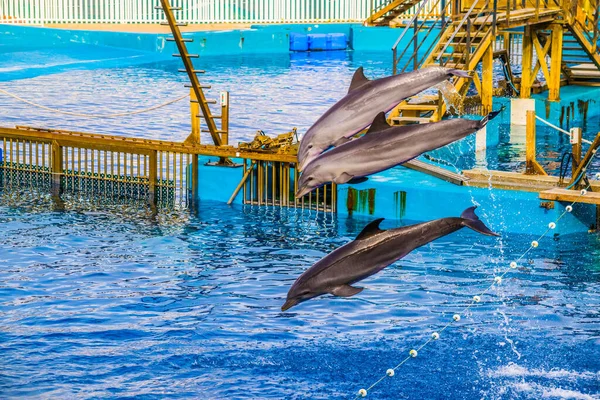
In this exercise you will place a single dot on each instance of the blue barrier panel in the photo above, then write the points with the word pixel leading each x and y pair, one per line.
pixel 317 42
pixel 337 41
pixel 298 42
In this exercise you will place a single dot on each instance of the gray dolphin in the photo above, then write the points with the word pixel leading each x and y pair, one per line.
pixel 371 251
pixel 365 98
pixel 383 147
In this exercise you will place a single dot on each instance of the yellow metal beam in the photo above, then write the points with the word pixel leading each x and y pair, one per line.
pixel 541 52
pixel 526 61
pixel 556 62
pixel 532 167
pixel 487 84
pixel 189 67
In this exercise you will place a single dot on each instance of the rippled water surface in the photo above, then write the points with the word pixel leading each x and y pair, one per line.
pixel 97 305
pixel 116 303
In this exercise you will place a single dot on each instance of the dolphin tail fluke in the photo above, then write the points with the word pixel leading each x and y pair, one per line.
pixel 472 221
pixel 460 73
pixel 490 117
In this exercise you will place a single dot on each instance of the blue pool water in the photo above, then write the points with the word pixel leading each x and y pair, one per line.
pixel 269 92
pixel 95 305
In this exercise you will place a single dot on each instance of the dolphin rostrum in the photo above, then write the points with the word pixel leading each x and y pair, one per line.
pixel 383 147
pixel 364 100
pixel 371 251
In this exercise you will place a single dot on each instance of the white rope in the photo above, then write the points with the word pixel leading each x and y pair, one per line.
pixel 123 114
pixel 560 129
pixel 476 299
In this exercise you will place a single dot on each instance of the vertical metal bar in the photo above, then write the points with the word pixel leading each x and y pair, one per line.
pixel 245 183
pixel 273 186
pixel 152 175
pixel 56 169
pixel 415 44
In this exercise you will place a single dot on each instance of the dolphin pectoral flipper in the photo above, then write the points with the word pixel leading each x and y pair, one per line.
pixel 341 141
pixel 346 291
pixel 356 181
pixel 344 177
pixel 472 221
pixel 358 79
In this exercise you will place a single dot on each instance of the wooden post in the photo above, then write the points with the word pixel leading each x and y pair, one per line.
pixel 527 61
pixel 575 149
pixel 195 194
pixel 57 168
pixel 530 143
pixel 152 176
pixel 195 115
pixel 556 62
pixel 487 82
pixel 225 118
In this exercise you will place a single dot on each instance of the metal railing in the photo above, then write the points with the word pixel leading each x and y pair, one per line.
pixel 271 183
pixel 421 30
pixel 192 11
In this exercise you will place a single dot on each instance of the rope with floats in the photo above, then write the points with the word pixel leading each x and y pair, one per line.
pixel 122 114
pixel 476 299
pixel 559 129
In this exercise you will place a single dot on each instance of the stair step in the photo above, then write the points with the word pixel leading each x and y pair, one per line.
pixel 418 120
pixel 418 107
pixel 454 65
pixel 584 67
pixel 453 55
pixel 473 35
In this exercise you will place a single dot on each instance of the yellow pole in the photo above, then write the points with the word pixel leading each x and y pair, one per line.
pixel 530 143
pixel 487 82
pixel 556 62
pixel 152 172
pixel 57 163
pixel 527 60
pixel 194 113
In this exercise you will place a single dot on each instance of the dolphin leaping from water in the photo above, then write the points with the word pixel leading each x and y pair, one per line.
pixel 365 98
pixel 382 147
pixel 371 251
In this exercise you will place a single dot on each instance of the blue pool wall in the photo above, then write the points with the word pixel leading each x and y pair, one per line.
pixel 255 40
pixel 426 198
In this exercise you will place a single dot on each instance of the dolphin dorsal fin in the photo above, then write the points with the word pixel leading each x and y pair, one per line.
pixel 358 79
pixel 379 123
pixel 370 230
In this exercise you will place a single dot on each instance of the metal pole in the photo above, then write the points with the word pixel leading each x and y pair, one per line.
pixel 415 44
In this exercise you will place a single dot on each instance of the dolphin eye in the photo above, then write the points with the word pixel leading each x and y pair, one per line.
pixel 310 146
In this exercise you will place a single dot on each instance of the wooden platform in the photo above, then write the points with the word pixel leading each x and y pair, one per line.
pixel 521 17
pixel 436 171
pixel 514 181
pixel 570 196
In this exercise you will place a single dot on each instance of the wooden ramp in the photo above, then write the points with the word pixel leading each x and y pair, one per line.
pixel 570 196
pixel 436 171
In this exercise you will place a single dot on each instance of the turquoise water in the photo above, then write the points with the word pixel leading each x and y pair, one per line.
pixel 98 305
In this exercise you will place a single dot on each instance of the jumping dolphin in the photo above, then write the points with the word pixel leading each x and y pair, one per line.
pixel 371 251
pixel 364 100
pixel 383 147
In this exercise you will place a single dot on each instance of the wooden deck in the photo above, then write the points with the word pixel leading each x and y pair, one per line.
pixel 514 181
pixel 520 17
pixel 129 144
pixel 570 196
